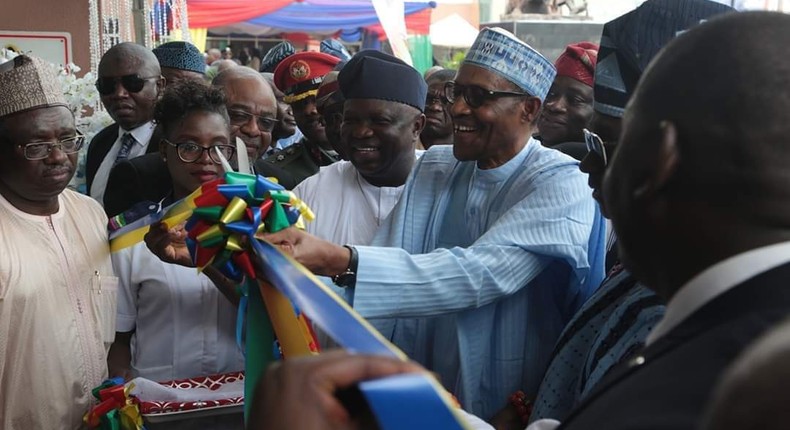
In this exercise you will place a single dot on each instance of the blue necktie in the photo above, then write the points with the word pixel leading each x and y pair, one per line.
pixel 127 141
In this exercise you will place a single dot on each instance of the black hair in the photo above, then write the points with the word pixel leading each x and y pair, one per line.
pixel 182 98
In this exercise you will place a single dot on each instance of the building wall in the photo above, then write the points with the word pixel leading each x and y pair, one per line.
pixel 51 15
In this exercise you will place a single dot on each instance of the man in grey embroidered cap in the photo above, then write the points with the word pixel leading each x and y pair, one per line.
pixel 180 61
pixel 57 292
pixel 495 237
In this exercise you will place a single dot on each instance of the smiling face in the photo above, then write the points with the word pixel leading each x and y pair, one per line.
pixel 131 109
pixel 33 186
pixel 201 128
pixel 309 121
pixel 496 131
pixel 566 111
pixel 380 137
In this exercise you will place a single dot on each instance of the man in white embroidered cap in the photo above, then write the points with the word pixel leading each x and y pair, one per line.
pixel 57 292
pixel 493 245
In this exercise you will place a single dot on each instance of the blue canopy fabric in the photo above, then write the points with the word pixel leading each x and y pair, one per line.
pixel 327 15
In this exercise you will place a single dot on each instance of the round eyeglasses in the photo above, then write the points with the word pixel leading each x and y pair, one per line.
pixel 190 152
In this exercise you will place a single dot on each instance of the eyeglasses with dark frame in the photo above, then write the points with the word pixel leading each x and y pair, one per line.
pixel 239 117
pixel 41 150
pixel 595 145
pixel 190 152
pixel 475 96
pixel 132 83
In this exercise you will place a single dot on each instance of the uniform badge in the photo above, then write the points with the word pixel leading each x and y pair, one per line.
pixel 299 70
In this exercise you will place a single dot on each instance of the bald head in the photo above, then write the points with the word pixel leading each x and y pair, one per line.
pixel 729 107
pixel 247 92
pixel 131 83
pixel 139 56
pixel 705 148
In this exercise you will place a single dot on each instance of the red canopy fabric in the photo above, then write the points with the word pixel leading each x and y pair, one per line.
pixel 215 13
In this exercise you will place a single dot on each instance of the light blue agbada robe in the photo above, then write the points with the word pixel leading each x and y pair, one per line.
pixel 461 244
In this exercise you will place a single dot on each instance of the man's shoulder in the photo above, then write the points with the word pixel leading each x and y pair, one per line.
pixel 86 206
pixel 105 133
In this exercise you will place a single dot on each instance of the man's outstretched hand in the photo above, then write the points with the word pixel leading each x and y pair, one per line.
pixel 317 255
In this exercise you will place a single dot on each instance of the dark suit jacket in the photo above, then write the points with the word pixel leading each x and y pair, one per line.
pixel 138 179
pixel 668 384
pixel 100 145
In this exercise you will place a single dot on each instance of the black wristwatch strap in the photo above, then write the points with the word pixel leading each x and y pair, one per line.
pixel 349 277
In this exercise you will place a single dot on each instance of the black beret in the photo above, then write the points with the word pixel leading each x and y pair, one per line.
pixel 372 74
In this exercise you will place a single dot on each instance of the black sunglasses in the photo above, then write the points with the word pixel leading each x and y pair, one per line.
pixel 475 96
pixel 132 83
pixel 595 145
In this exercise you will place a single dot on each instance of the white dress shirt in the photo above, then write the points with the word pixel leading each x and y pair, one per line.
pixel 142 135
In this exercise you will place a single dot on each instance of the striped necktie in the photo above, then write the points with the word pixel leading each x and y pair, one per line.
pixel 127 141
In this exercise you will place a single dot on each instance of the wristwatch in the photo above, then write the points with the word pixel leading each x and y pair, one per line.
pixel 349 276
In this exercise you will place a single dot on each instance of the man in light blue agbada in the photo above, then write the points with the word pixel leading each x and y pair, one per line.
pixel 493 246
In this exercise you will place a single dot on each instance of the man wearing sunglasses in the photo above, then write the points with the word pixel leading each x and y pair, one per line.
pixel 130 82
pixel 493 245
pixel 57 288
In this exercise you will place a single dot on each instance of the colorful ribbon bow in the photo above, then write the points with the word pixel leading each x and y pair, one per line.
pixel 235 206
pixel 116 410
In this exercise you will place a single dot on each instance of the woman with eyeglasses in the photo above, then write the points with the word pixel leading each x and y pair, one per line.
pixel 172 322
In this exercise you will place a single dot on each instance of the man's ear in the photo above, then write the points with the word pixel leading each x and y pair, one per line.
pixel 419 124
pixel 665 164
pixel 161 83
pixel 530 110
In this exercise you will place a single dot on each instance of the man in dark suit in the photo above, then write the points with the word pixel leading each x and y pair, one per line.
pixel 130 82
pixel 698 193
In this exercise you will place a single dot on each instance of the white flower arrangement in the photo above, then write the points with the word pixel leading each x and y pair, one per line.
pixel 89 114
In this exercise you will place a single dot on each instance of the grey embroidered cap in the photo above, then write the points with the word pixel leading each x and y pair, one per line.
pixel 28 83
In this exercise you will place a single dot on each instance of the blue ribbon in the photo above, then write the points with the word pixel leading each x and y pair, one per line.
pixel 405 402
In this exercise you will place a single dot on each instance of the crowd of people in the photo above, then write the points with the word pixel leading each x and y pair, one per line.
pixel 594 242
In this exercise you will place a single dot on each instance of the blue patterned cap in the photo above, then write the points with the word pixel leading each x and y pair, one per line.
pixel 630 42
pixel 335 49
pixel 180 55
pixel 274 56
pixel 503 53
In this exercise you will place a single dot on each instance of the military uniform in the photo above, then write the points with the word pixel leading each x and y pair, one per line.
pixel 300 160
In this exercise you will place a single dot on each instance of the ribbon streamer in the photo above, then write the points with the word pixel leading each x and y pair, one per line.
pixel 227 212
pixel 116 410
